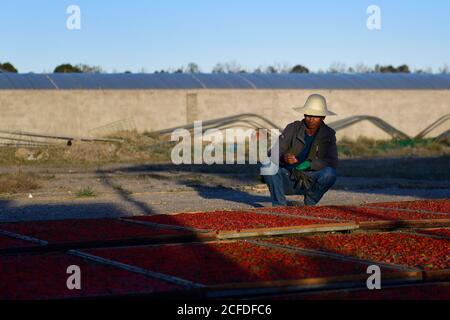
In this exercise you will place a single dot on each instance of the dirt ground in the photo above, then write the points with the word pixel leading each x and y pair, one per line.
pixel 128 190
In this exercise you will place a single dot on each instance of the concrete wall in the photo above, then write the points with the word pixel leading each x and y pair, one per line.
pixel 76 112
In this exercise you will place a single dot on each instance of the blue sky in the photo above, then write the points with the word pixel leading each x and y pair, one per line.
pixel 159 34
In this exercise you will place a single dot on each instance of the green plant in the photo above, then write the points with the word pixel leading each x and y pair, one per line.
pixel 85 192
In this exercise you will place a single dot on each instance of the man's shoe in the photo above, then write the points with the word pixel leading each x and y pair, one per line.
pixel 295 203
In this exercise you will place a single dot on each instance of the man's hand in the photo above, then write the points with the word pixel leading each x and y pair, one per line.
pixel 304 166
pixel 290 158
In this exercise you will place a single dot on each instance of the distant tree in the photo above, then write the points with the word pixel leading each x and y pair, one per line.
pixel 444 69
pixel 377 68
pixel 403 69
pixel 362 68
pixel 427 70
pixel 282 67
pixel 193 68
pixel 384 69
pixel 390 69
pixel 337 67
pixel 299 69
pixel 67 68
pixel 89 69
pixel 219 68
pixel 232 67
pixel 7 67
pixel 271 69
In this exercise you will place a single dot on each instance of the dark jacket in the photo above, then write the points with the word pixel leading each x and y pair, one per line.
pixel 323 151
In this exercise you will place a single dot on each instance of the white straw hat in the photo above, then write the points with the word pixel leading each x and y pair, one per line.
pixel 316 105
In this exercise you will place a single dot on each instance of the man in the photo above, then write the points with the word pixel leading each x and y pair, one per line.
pixel 308 156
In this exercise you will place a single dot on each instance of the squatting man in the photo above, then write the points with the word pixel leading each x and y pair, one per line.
pixel 307 156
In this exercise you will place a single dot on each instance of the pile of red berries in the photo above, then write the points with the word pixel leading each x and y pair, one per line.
pixel 357 214
pixel 397 248
pixel 230 262
pixel 229 220
pixel 423 205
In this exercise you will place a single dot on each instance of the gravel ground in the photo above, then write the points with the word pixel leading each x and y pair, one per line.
pixel 139 190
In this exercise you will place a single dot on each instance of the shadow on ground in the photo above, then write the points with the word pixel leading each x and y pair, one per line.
pixel 417 174
pixel 240 176
pixel 227 263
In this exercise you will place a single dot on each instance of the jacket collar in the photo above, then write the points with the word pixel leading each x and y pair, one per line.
pixel 302 131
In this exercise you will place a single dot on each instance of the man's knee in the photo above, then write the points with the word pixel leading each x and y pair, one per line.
pixel 327 176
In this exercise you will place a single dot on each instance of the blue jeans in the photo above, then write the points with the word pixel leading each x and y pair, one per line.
pixel 280 185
